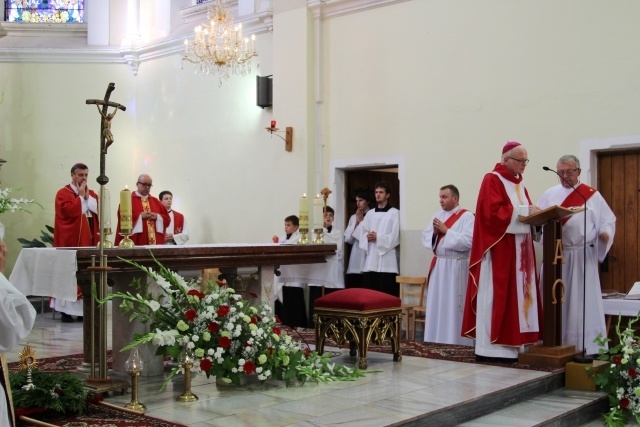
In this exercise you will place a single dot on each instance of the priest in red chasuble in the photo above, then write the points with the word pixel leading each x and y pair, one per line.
pixel 149 216
pixel 503 308
pixel 76 224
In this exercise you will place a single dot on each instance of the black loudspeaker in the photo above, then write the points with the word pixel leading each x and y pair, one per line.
pixel 264 90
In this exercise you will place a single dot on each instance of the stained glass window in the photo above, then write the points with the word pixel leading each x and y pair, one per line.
pixel 44 11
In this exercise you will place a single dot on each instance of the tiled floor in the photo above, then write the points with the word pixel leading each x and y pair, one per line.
pixel 395 393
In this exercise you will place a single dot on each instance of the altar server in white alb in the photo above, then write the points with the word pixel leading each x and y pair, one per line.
pixel 601 228
pixel 449 236
pixel 379 237
pixel 357 257
pixel 17 316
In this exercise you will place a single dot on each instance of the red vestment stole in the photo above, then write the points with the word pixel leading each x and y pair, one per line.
pixel 448 223
pixel 574 199
pixel 150 224
pixel 178 223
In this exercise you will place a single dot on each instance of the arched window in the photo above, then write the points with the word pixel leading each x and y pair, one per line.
pixel 44 11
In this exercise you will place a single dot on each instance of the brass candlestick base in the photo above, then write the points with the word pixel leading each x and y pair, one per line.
pixel 134 404
pixel 187 396
pixel 126 242
pixel 104 241
pixel 318 240
pixel 304 240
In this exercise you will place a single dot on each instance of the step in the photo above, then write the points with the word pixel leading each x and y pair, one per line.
pixel 560 407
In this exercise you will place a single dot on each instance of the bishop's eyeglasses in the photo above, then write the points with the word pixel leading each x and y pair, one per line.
pixel 523 162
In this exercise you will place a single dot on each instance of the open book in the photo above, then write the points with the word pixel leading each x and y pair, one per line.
pixel 634 293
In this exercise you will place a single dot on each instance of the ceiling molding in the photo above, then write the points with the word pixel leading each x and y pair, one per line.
pixel 66 43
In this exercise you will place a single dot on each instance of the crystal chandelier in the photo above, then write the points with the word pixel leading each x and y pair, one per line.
pixel 218 47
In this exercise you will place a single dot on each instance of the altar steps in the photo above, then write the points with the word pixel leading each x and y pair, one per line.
pixel 540 402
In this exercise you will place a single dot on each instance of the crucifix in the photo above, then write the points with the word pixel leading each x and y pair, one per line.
pixel 102 383
pixel 106 137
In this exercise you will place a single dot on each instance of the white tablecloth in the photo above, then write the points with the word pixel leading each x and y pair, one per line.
pixel 46 272
pixel 617 306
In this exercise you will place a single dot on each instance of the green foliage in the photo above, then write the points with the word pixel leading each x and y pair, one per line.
pixel 60 392
pixel 46 239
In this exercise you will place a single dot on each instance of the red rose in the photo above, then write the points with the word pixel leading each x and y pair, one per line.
pixel 254 320
pixel 270 350
pixel 205 364
pixel 213 327
pixel 616 359
pixel 253 295
pixel 248 344
pixel 224 342
pixel 276 330
pixel 624 402
pixel 278 320
pixel 249 367
pixel 633 373
pixel 220 283
pixel 191 315
pixel 196 293
pixel 223 311
pixel 307 352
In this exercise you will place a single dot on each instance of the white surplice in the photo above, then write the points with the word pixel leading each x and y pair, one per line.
pixel 600 219
pixel 382 254
pixel 447 285
pixel 17 316
pixel 357 257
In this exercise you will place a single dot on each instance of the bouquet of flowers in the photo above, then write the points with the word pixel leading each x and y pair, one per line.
pixel 223 334
pixel 11 204
pixel 621 379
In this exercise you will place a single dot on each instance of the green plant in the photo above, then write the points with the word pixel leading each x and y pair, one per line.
pixel 46 239
pixel 60 392
pixel 621 378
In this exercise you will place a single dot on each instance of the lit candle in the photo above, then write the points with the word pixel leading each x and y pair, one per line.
pixel 273 124
pixel 253 41
pixel 318 220
pixel 125 210
pixel 105 221
pixel 304 212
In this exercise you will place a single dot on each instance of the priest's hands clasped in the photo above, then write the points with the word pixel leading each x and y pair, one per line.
pixel 149 215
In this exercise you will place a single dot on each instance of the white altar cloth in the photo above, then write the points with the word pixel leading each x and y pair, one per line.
pixel 621 306
pixel 46 272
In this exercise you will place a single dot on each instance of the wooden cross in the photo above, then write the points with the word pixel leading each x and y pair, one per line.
pixel 106 137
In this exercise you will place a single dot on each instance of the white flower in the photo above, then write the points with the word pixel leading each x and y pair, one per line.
pixel 153 304
pixel 158 338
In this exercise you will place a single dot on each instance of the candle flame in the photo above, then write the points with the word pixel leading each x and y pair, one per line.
pixel 304 195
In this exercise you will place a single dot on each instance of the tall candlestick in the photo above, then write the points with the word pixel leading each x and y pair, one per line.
pixel 105 221
pixel 304 213
pixel 126 222
pixel 318 220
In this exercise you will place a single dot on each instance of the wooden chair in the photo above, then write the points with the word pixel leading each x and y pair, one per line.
pixel 412 290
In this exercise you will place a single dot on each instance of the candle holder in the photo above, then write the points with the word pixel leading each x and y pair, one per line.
pixel 104 241
pixel 134 365
pixel 304 239
pixel 126 242
pixel 186 360
pixel 318 240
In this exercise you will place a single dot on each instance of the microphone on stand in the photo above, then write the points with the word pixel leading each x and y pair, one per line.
pixel 584 358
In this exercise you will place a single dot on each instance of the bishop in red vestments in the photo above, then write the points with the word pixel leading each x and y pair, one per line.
pixel 503 308
pixel 150 217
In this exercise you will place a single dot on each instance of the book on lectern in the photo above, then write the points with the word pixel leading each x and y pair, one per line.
pixel 552 212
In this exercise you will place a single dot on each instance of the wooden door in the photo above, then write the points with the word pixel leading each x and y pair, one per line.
pixel 357 179
pixel 619 184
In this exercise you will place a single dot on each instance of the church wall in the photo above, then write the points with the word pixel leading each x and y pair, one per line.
pixel 446 84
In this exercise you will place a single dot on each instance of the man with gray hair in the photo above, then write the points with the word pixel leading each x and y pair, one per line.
pixel 503 309
pixel 601 228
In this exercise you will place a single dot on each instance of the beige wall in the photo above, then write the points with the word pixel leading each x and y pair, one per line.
pixel 439 84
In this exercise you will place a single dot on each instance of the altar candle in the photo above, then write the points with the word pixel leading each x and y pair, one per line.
pixel 105 221
pixel 125 210
pixel 304 212
pixel 318 220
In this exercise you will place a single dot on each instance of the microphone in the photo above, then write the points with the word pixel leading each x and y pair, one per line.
pixel 584 358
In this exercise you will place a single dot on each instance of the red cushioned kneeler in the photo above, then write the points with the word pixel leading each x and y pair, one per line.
pixel 360 316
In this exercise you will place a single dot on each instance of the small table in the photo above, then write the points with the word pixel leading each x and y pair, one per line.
pixel 619 307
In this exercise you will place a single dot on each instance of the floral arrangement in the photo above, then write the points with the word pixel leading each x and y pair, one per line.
pixel 224 336
pixel 60 392
pixel 621 378
pixel 11 204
